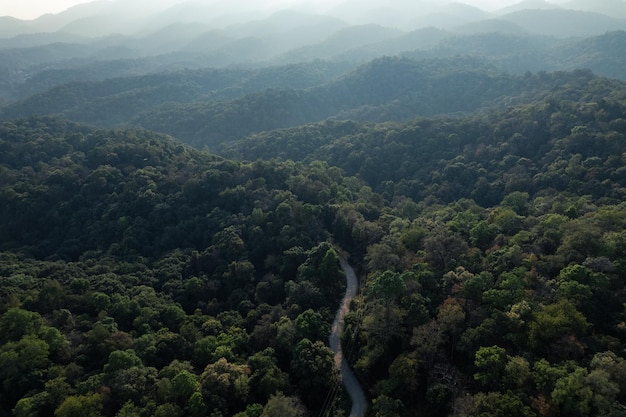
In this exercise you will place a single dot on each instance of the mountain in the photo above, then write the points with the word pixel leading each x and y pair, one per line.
pixel 605 55
pixel 529 5
pixel 216 15
pixel 174 37
pixel 55 22
pixel 29 40
pixel 490 26
pixel 120 99
pixel 393 13
pixel 206 108
pixel 342 41
pixel 288 29
pixel 450 15
pixel 565 23
pixel 613 8
pixel 10 26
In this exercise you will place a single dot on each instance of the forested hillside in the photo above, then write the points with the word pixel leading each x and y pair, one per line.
pixel 480 156
pixel 206 108
pixel 140 276
pixel 180 188
pixel 159 280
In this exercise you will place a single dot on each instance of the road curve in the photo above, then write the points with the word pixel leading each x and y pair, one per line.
pixel 359 402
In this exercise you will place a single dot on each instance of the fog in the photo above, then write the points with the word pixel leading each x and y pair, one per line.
pixel 179 34
pixel 132 17
pixel 31 9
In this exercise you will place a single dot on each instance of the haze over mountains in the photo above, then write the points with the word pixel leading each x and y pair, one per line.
pixel 107 39
pixel 140 18
pixel 140 63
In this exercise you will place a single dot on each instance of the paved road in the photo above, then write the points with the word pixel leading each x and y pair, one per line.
pixel 359 402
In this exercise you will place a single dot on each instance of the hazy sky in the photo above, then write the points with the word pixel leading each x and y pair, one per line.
pixel 30 9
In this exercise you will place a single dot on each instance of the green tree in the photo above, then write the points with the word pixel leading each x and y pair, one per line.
pixel 556 328
pixel 22 366
pixel 495 404
pixel 314 372
pixel 385 406
pixel 517 201
pixel 444 248
pixel 32 406
pixel 572 393
pixel 197 406
pixel 184 384
pixel 16 322
pixel 280 405
pixel 267 378
pixel 89 405
pixel 491 363
pixel 311 325
pixel 225 385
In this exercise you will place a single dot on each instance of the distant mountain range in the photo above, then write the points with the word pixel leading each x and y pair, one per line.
pixel 140 17
pixel 110 39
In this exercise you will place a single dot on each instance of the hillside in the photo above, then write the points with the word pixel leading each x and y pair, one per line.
pixel 137 263
pixel 189 189
pixel 33 63
pixel 490 246
pixel 208 107
pixel 413 159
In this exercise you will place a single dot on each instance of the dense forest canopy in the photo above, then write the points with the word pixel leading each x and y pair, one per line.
pixel 491 247
pixel 173 223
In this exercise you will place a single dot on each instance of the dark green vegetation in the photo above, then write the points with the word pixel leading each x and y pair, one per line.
pixel 142 277
pixel 209 107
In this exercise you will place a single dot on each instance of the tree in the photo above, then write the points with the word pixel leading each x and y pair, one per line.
pixel 490 362
pixel 443 247
pixel 89 405
pixel 517 373
pixel 16 323
pixel 196 405
pixel 280 405
pixel 517 201
pixel 184 384
pixel 385 406
pixel 22 366
pixel 32 406
pixel 572 393
pixel 225 385
pixel 495 404
pixel 311 325
pixel 267 378
pixel 483 234
pixel 313 369
pixel 555 329
pixel 119 360
pixel 386 289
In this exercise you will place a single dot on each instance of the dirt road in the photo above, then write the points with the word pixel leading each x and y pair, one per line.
pixel 359 402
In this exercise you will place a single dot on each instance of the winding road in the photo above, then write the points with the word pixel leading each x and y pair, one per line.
pixel 359 402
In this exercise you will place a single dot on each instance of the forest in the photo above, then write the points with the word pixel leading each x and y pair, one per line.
pixel 143 277
pixel 173 225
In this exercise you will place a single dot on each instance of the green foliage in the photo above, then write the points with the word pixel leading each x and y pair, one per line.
pixel 80 406
pixel 490 362
pixel 556 328
pixel 499 405
pixel 141 277
pixel 280 405
pixel 314 372
pixel 225 385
